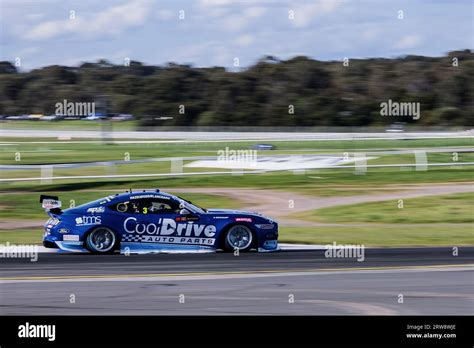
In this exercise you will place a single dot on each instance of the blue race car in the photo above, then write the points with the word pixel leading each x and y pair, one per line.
pixel 154 221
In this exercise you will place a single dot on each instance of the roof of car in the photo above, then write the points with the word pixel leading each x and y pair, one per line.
pixel 126 196
pixel 143 194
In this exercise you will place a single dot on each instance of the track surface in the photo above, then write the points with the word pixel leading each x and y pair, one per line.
pixel 431 280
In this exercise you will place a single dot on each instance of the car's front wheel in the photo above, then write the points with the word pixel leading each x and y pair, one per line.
pixel 238 237
pixel 101 240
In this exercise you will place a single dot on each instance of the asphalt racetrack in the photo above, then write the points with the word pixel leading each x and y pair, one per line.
pixel 427 280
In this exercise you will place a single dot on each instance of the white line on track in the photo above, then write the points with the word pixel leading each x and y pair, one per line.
pixel 236 275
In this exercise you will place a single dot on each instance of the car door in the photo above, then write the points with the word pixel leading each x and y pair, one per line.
pixel 158 221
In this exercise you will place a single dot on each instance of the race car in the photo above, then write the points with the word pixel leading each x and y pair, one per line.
pixel 154 221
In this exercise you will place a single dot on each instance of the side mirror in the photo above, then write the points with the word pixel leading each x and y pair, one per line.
pixel 184 212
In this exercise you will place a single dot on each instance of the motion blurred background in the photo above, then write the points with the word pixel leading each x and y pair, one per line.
pixel 302 83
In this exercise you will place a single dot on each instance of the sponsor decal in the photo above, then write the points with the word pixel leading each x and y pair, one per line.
pixel 52 222
pixel 106 199
pixel 169 227
pixel 63 230
pixel 149 196
pixel 177 240
pixel 88 220
pixel 187 218
pixel 71 237
pixel 28 330
pixel 96 210
pixel 243 219
pixel 51 203
pixel 220 217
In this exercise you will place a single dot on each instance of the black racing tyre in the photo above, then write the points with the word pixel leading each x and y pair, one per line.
pixel 238 237
pixel 101 240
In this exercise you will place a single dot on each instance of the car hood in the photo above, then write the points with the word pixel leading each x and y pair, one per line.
pixel 239 212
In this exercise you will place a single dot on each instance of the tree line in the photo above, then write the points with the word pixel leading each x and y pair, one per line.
pixel 297 92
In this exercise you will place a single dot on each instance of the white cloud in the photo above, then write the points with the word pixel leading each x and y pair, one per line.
pixel 242 20
pixel 166 15
pixel 408 41
pixel 306 13
pixel 110 21
pixel 212 3
pixel 254 12
pixel 245 40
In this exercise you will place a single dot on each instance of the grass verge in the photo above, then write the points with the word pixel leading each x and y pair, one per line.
pixel 382 235
pixel 453 208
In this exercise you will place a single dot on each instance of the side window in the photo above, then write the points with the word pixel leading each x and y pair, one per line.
pixel 158 206
pixel 147 206
pixel 126 207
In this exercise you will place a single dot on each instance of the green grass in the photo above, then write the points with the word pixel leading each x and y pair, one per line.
pixel 26 206
pixel 67 125
pixel 21 236
pixel 432 157
pixel 382 235
pixel 65 152
pixel 453 208
pixel 312 182
pixel 323 182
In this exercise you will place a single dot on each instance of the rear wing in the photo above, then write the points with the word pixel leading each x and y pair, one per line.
pixel 51 203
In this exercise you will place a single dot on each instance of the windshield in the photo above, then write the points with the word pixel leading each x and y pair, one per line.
pixel 193 206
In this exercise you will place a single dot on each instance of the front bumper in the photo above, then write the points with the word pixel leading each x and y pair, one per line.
pixel 268 239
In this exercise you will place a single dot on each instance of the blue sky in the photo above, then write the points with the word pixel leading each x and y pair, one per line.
pixel 214 32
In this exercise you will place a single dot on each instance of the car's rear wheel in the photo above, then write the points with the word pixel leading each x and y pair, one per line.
pixel 101 240
pixel 238 237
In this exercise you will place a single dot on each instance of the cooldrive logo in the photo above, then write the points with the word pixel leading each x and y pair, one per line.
pixel 37 331
pixel 88 220
pixel 169 231
pixel 168 227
